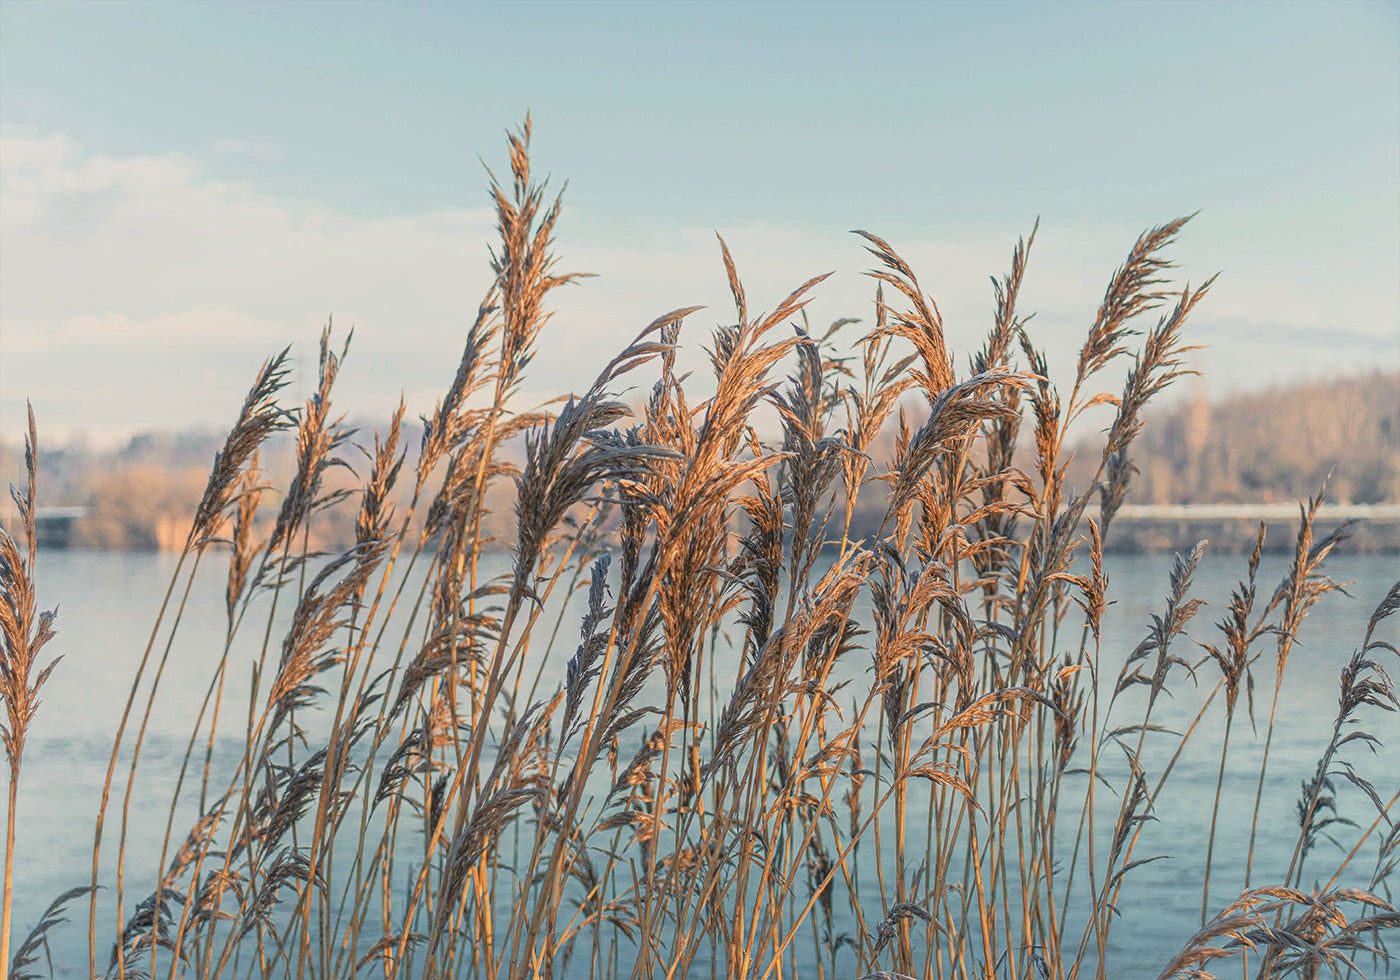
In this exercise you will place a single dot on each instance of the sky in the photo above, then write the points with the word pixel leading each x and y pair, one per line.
pixel 186 188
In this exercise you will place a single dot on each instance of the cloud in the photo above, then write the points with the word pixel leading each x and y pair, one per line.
pixel 138 289
pixel 148 236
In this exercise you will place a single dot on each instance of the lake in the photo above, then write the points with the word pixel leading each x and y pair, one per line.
pixel 108 601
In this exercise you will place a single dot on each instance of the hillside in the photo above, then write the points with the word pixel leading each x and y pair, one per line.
pixel 1276 445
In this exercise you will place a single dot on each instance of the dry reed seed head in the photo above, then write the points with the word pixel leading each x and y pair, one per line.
pixel 259 418
pixel 1234 661
pixel 558 475
pixel 24 502
pixel 688 601
pixel 270 778
pixel 493 813
pixel 829 630
pixel 1154 368
pixel 1317 799
pixel 894 608
pixel 641 350
pixel 758 566
pixel 1129 293
pixel 1179 611
pixel 885 383
pixel 293 793
pixel 318 437
pixel 357 723
pixel 1304 585
pixel 410 758
pixel 290 869
pixel 1113 489
pixel 150 925
pixel 953 413
pixel 736 288
pixel 470 376
pixel 242 544
pixel 922 325
pixel 1069 700
pixel 1386 608
pixel 518 779
pixel 387 947
pixel 812 459
pixel 641 649
pixel 1358 690
pixel 196 843
pixel 1037 366
pixel 886 930
pixel 742 359
pixel 726 346
pixel 1238 922
pixel 1045 409
pixel 584 665
pixel 865 416
pixel 524 265
pixel 461 639
pixel 1135 809
pixel 1363 684
pixel 372 521
pixel 832 365
pixel 17 597
pixel 209 897
pixel 459 498
pixel 741 718
pixel 450 422
pixel 21 639
pixel 1052 544
pixel 637 776
pixel 802 411
pixel 1005 326
pixel 1095 586
pixel 821 879
pixel 981 710
pixel 1320 935
pixel 37 940
pixel 317 617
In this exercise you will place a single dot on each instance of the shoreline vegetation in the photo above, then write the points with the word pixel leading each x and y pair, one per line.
pixel 739 771
pixel 1260 448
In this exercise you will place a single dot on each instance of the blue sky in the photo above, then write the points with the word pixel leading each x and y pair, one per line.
pixel 184 188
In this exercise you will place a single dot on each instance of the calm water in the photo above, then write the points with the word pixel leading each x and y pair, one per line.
pixel 107 603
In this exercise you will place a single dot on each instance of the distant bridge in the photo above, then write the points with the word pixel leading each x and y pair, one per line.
pixel 1376 513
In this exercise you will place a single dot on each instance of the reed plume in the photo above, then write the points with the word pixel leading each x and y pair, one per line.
pixel 23 631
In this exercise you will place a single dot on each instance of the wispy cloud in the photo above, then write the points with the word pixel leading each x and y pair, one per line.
pixel 143 272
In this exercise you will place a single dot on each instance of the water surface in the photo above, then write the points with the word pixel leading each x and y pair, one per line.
pixel 108 601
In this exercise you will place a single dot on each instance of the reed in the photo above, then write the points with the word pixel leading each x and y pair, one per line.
pixel 771 748
pixel 23 632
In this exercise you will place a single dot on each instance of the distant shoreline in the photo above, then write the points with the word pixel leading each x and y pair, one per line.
pixel 1233 528
pixel 1136 529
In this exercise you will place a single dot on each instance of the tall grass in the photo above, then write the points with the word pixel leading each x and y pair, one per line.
pixel 771 749
pixel 23 632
